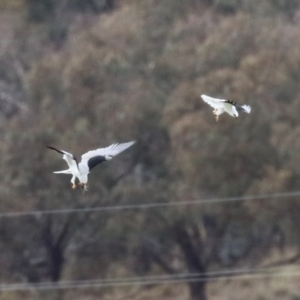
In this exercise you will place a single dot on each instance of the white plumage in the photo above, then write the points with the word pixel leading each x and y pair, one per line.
pixel 88 161
pixel 222 105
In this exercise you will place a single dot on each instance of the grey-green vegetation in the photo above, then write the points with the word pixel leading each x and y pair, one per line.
pixel 83 74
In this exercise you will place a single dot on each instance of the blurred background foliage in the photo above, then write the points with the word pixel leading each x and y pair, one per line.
pixel 83 74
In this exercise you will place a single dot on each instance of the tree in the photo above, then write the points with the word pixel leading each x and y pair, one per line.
pixel 137 74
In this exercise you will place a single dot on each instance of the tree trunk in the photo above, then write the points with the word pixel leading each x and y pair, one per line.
pixel 56 261
pixel 55 246
pixel 194 259
pixel 198 290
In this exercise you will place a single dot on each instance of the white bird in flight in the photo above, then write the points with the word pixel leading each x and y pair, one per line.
pixel 89 160
pixel 221 105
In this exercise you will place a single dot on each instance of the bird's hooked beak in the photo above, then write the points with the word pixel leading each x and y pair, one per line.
pixel 84 186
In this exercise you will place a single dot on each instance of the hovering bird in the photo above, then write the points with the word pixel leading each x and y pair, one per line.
pixel 221 105
pixel 89 160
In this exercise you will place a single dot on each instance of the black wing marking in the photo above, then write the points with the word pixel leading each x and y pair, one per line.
pixel 94 161
pixel 64 152
pixel 59 151
pixel 230 102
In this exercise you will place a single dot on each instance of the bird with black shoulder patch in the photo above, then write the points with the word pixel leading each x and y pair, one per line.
pixel 222 105
pixel 89 160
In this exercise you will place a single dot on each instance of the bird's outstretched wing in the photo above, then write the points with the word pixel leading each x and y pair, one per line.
pixel 244 108
pixel 68 157
pixel 213 102
pixel 93 158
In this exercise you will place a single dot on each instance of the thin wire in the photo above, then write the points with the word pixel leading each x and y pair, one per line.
pixel 164 279
pixel 153 277
pixel 170 276
pixel 148 205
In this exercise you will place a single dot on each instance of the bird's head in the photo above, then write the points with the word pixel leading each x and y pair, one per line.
pixel 83 179
pixel 84 186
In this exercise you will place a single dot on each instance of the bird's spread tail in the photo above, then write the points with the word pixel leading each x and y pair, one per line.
pixel 63 172
pixel 246 108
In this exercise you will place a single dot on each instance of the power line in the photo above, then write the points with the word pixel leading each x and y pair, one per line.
pixel 242 274
pixel 148 205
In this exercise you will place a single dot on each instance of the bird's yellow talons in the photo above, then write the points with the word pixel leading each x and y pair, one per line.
pixel 74 186
pixel 216 115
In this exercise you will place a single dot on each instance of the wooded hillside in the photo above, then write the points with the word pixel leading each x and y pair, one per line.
pixel 84 74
